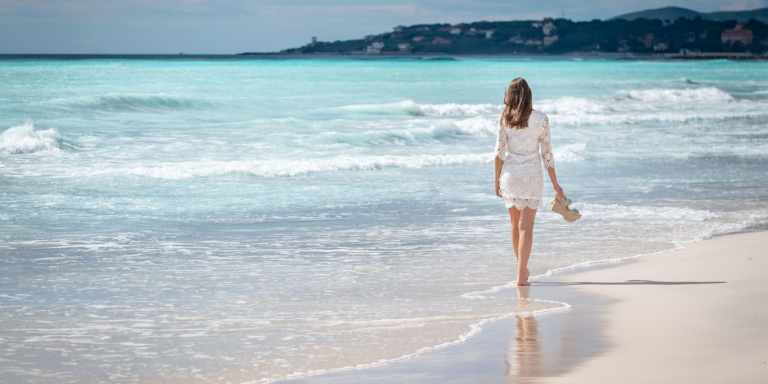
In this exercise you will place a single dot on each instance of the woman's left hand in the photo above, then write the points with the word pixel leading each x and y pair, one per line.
pixel 558 190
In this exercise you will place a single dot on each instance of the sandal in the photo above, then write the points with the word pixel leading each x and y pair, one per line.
pixel 560 206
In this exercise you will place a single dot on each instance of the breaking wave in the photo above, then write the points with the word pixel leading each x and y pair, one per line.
pixel 687 95
pixel 25 139
pixel 410 108
pixel 134 102
pixel 277 168
pixel 438 131
pixel 655 105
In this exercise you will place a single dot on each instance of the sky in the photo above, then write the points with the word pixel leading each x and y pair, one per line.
pixel 233 26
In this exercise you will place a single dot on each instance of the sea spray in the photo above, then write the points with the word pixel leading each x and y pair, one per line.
pixel 25 139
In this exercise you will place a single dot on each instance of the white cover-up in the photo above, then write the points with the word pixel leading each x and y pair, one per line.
pixel 523 150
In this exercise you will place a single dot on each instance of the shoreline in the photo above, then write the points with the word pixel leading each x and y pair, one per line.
pixel 587 300
pixel 385 56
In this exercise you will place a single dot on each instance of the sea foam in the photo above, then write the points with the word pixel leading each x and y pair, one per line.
pixel 277 168
pixel 25 139
pixel 687 95
pixel 410 108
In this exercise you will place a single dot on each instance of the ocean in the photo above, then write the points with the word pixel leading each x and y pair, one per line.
pixel 220 219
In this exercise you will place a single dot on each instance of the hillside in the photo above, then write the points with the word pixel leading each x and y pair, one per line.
pixel 674 13
pixel 669 30
pixel 741 16
pixel 666 13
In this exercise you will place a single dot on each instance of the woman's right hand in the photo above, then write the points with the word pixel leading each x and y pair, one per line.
pixel 498 187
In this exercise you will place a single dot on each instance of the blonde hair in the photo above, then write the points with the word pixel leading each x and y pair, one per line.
pixel 518 105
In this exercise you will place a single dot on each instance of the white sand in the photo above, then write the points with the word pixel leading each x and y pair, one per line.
pixel 683 333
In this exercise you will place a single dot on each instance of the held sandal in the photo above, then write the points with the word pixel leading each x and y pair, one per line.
pixel 560 206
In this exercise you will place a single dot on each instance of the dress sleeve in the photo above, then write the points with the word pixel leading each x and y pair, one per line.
pixel 546 145
pixel 501 143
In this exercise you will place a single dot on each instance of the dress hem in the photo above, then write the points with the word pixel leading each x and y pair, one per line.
pixel 521 203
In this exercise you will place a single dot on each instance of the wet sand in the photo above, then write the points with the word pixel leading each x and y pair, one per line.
pixel 695 315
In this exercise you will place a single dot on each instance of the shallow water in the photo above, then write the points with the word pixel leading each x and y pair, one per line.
pixel 246 220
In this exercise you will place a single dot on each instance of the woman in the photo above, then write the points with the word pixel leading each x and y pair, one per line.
pixel 519 179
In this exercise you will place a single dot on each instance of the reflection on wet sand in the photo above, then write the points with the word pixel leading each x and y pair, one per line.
pixel 534 353
pixel 524 358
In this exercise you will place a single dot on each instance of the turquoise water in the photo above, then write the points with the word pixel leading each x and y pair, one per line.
pixel 230 220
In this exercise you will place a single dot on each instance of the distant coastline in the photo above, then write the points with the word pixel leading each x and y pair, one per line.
pixel 692 35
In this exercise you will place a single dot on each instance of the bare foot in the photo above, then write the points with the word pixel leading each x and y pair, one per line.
pixel 525 282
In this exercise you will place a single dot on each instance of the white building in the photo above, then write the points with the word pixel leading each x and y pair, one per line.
pixel 661 46
pixel 374 49
pixel 404 47
pixel 547 28
pixel 548 40
pixel 489 33
pixel 516 39
pixel 455 31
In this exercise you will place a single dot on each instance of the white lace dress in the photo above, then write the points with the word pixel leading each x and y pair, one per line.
pixel 522 180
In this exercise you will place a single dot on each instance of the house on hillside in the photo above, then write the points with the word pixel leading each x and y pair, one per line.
pixel 370 37
pixel 533 42
pixel 404 47
pixel 548 40
pixel 454 29
pixel 744 36
pixel 374 49
pixel 399 28
pixel 488 33
pixel 418 38
pixel 660 46
pixel 441 41
pixel 516 39
pixel 548 27
pixel 536 24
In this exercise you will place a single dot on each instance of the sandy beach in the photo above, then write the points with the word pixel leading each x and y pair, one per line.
pixel 694 315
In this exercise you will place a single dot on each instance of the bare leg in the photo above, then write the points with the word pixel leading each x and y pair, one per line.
pixel 525 243
pixel 514 215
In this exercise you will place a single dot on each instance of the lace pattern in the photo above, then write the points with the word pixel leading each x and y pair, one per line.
pixel 546 145
pixel 524 151
pixel 501 143
pixel 521 204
